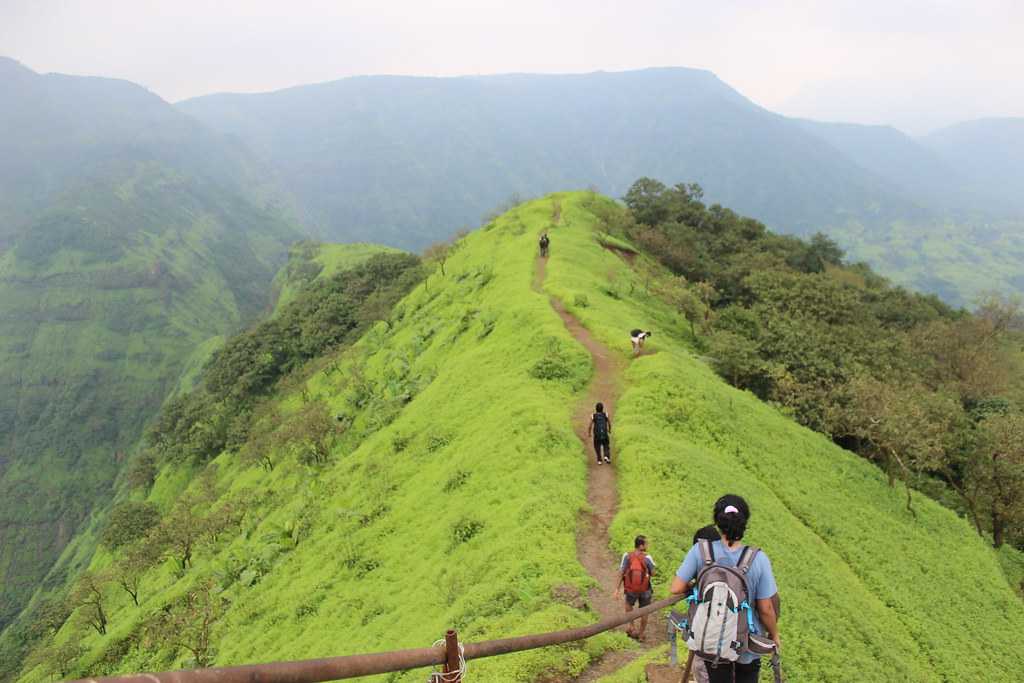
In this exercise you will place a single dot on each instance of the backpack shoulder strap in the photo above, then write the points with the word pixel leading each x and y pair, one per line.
pixel 747 558
pixel 707 553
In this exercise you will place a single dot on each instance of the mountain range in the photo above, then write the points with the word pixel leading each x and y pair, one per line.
pixel 135 234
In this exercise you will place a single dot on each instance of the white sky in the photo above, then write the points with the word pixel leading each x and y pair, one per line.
pixel 916 64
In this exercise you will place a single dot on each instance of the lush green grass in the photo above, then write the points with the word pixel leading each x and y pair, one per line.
pixel 458 511
pixel 870 592
pixel 459 507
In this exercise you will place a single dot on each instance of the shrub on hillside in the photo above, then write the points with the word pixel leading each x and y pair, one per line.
pixel 560 365
pixel 128 522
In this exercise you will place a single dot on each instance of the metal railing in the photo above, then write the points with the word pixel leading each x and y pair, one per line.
pixel 352 666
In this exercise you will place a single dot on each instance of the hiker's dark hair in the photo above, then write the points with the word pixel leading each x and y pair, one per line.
pixel 708 533
pixel 639 541
pixel 732 524
pixel 599 407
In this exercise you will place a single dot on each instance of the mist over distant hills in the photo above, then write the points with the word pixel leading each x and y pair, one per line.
pixel 989 153
pixel 404 160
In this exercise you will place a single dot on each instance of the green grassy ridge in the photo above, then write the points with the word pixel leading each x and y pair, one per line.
pixel 311 261
pixel 381 567
pixel 681 432
pixel 484 450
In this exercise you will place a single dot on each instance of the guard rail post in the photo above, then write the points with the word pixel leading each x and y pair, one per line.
pixel 453 658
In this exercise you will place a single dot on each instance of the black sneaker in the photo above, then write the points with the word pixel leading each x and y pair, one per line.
pixel 608 460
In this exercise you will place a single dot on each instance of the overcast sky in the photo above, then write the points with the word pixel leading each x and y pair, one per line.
pixel 914 64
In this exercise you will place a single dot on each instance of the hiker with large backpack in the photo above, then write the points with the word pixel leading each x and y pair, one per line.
pixel 677 620
pixel 601 428
pixel 731 619
pixel 635 572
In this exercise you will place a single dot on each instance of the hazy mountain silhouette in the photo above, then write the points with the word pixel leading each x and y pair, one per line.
pixel 405 160
pixel 989 151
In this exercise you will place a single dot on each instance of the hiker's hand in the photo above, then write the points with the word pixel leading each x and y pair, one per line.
pixel 778 644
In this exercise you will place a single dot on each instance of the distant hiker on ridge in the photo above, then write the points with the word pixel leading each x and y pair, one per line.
pixel 601 428
pixel 635 572
pixel 638 337
pixel 733 591
pixel 544 242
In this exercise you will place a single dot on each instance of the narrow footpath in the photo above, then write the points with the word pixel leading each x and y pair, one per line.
pixel 592 540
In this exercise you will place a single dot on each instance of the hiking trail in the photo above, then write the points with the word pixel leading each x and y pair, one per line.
pixel 593 543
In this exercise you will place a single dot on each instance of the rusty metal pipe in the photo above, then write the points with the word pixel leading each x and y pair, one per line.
pixel 305 671
pixel 503 646
pixel 353 666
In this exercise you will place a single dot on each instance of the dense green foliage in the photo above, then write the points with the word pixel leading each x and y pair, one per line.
pixel 898 377
pixel 329 313
pixel 448 492
pixel 308 261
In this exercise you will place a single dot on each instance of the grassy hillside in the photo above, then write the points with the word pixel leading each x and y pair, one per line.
pixel 960 260
pixel 868 596
pixel 308 261
pixel 90 345
pixel 129 235
pixel 454 483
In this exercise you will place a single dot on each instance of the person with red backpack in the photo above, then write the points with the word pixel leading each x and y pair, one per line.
pixel 732 617
pixel 635 572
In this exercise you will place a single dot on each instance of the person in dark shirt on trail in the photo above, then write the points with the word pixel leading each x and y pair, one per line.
pixel 601 428
pixel 544 242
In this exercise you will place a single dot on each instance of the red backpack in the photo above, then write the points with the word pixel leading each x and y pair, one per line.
pixel 636 578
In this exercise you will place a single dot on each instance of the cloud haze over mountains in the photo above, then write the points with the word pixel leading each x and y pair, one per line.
pixel 917 65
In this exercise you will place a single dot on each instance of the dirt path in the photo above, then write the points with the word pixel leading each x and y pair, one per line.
pixel 592 539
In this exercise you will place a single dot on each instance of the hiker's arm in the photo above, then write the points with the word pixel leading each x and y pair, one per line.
pixel 766 612
pixel 679 586
pixel 688 569
pixel 619 587
pixel 609 419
